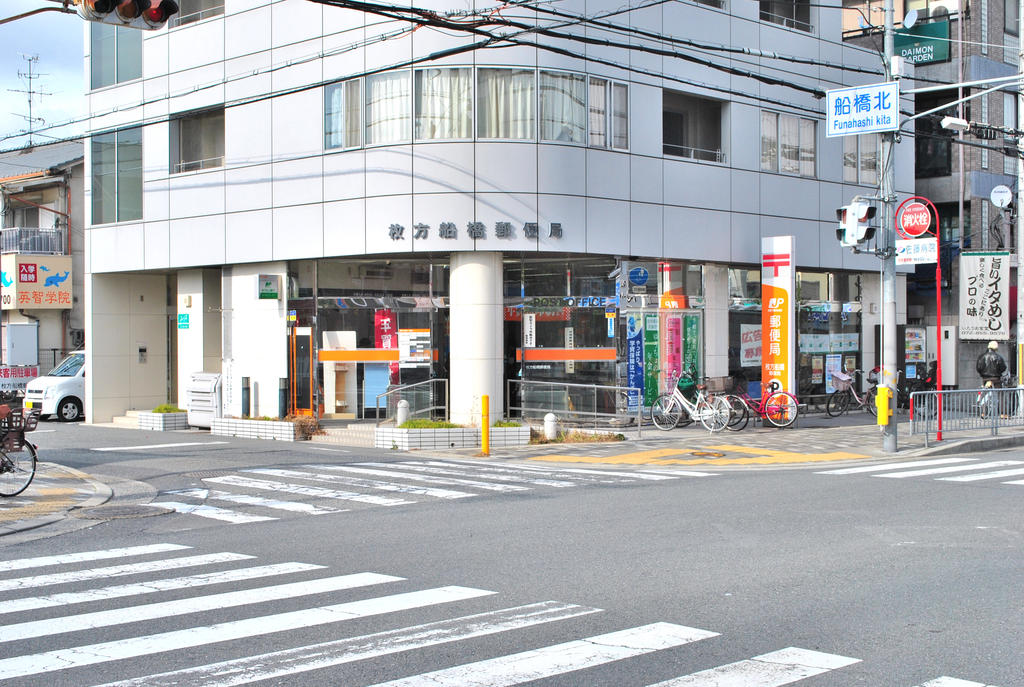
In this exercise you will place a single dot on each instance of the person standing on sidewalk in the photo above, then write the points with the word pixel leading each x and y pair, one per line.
pixel 991 365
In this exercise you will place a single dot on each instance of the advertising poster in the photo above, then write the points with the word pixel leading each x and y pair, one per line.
pixel 35 282
pixel 833 364
pixel 691 342
pixel 634 360
pixel 817 369
pixel 673 348
pixel 651 359
pixel 778 314
pixel 385 335
pixel 414 348
pixel 985 296
pixel 750 345
pixel 16 378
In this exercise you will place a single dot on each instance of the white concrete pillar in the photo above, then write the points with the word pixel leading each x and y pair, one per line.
pixel 476 327
pixel 716 320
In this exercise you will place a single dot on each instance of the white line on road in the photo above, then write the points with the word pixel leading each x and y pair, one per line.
pixel 60 659
pixel 303 490
pixel 64 559
pixel 212 512
pixel 250 500
pixel 365 483
pixel 954 468
pixel 152 587
pixel 952 682
pixel 767 670
pixel 558 658
pixel 291 661
pixel 120 570
pixel 196 604
pixel 985 475
pixel 396 474
pixel 896 466
pixel 139 448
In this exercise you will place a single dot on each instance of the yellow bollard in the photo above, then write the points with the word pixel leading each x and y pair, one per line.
pixel 882 404
pixel 485 425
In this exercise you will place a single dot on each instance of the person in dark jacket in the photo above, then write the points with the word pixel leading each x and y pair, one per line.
pixel 991 365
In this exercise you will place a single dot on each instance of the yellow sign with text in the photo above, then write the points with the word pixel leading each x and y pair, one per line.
pixel 35 282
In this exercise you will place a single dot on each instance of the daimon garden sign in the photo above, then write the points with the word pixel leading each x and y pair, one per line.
pixel 862 109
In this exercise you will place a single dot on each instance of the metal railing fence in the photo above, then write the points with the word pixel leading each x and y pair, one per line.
pixel 33 240
pixel 428 399
pixel 583 404
pixel 965 410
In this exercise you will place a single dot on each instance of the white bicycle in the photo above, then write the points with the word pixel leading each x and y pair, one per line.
pixel 675 409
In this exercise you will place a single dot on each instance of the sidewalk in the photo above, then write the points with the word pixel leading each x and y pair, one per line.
pixel 54 491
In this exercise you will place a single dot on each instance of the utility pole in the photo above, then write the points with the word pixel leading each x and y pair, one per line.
pixel 30 91
pixel 888 244
pixel 1020 210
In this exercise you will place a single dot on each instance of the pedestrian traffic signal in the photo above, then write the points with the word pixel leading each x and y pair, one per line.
pixel 137 14
pixel 853 218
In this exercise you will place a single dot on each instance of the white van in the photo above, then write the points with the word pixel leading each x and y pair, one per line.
pixel 60 392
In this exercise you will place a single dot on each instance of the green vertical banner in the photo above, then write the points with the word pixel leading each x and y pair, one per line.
pixel 651 359
pixel 691 342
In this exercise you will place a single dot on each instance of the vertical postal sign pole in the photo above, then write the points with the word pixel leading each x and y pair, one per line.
pixel 778 313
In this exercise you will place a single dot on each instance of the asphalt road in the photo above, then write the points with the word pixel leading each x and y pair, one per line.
pixel 500 572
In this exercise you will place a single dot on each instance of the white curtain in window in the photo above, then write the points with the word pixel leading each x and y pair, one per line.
pixel 598 113
pixel 769 141
pixel 808 147
pixel 870 147
pixel 850 159
pixel 444 103
pixel 620 116
pixel 505 103
pixel 388 108
pixel 562 107
pixel 334 118
pixel 789 144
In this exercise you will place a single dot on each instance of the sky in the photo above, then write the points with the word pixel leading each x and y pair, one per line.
pixel 58 41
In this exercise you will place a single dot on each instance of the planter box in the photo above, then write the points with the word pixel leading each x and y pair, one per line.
pixel 254 429
pixel 461 437
pixel 163 422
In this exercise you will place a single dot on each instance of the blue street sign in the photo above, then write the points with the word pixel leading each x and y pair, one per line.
pixel 862 109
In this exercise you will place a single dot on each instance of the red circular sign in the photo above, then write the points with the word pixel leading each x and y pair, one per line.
pixel 915 220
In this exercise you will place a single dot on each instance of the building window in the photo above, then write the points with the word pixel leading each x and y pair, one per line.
pixel 342 122
pixel 444 103
pixel 860 159
pixel 793 14
pixel 1010 122
pixel 197 141
pixel 563 107
pixel 691 127
pixel 505 104
pixel 604 119
pixel 196 10
pixel 788 144
pixel 1011 17
pixel 115 54
pixel 388 108
pixel 117 176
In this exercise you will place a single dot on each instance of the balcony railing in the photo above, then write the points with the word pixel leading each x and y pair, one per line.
pixel 789 22
pixel 709 155
pixel 33 240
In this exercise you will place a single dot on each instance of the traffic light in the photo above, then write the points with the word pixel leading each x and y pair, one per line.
pixel 137 14
pixel 853 228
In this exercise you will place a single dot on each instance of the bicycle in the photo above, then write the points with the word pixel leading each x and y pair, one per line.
pixel 668 410
pixel 778 407
pixel 17 455
pixel 846 394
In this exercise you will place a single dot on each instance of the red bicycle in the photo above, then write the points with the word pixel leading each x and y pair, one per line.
pixel 778 407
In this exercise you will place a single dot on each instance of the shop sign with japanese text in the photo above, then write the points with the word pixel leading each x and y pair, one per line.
pixel 35 282
pixel 778 316
pixel 984 296
pixel 15 378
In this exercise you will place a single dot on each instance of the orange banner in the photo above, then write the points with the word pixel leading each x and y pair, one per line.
pixel 563 354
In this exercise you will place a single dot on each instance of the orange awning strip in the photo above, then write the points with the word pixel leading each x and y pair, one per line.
pixel 360 355
pixel 566 354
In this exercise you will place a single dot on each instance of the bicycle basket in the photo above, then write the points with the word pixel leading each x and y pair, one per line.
pixel 873 377
pixel 14 426
pixel 842 381
pixel 687 387
pixel 718 385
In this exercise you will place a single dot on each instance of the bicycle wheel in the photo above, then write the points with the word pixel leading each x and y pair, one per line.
pixel 739 413
pixel 665 412
pixel 838 403
pixel 869 400
pixel 781 409
pixel 17 468
pixel 714 413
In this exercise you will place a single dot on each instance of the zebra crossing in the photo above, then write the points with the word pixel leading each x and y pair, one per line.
pixel 89 644
pixel 264 494
pixel 943 470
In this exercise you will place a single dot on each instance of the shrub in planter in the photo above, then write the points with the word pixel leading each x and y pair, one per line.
pixel 305 426
pixel 167 408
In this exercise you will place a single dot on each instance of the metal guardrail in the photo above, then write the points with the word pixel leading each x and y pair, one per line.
pixel 32 240
pixel 965 410
pixel 577 403
pixel 425 399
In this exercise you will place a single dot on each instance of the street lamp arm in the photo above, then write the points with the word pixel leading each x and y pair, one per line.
pixel 63 10
pixel 946 106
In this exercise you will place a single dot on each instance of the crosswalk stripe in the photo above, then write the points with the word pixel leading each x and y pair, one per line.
pixel 439 468
pixel 64 559
pixel 952 682
pixel 427 479
pixel 120 570
pixel 649 476
pixel 303 490
pixel 196 604
pixel 529 469
pixel 767 670
pixel 896 466
pixel 364 483
pixel 212 512
pixel 149 446
pixel 60 659
pixel 998 474
pixel 559 658
pixel 953 468
pixel 251 500
pixel 123 590
pixel 292 661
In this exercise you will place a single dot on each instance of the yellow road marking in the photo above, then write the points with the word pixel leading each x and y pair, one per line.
pixel 35 509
